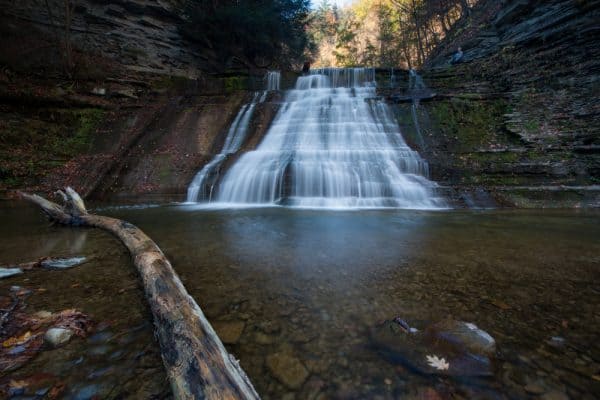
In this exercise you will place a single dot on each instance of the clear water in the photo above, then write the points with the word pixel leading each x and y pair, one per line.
pixel 314 283
pixel 330 148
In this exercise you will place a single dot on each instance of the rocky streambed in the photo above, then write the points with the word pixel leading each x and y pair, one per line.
pixel 308 301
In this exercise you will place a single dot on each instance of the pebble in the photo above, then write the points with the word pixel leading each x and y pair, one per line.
pixel 58 336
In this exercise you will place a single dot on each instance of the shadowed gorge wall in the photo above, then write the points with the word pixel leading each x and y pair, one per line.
pixel 519 116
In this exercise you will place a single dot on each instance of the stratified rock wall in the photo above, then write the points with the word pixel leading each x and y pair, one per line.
pixel 520 115
pixel 140 35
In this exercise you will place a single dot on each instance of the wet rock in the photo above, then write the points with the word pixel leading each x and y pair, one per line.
pixel 58 336
pixel 8 272
pixel 288 369
pixel 62 263
pixel 447 348
pixel 463 334
pixel 229 331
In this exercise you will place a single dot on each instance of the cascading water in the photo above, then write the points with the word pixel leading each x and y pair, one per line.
pixel 329 147
pixel 273 80
pixel 208 175
pixel 416 89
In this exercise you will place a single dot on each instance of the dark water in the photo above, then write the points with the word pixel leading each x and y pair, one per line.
pixel 311 285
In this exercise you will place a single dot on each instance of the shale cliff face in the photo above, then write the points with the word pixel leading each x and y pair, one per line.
pixel 139 35
pixel 139 112
pixel 520 116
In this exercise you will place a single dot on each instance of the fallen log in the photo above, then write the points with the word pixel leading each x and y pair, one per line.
pixel 197 363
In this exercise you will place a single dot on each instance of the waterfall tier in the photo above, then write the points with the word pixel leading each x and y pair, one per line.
pixel 330 147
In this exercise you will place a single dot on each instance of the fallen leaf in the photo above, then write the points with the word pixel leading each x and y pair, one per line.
pixel 16 340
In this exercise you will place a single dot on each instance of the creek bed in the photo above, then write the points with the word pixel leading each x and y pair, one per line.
pixel 296 294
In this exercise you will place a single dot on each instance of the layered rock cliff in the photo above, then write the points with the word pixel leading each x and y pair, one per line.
pixel 519 116
pixel 138 35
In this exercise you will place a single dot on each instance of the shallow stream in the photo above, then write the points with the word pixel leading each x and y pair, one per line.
pixel 310 286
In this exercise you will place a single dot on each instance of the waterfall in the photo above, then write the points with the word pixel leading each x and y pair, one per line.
pixel 273 80
pixel 415 82
pixel 205 179
pixel 416 89
pixel 329 147
pixel 208 175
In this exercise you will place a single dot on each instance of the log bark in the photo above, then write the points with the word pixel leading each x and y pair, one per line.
pixel 197 363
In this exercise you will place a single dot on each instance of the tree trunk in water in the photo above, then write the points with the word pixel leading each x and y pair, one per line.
pixel 196 361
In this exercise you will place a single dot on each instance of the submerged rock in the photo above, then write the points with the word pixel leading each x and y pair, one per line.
pixel 229 331
pixel 450 347
pixel 58 336
pixel 462 334
pixel 287 369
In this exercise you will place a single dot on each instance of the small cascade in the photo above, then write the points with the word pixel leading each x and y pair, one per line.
pixel 415 83
pixel 329 147
pixel 206 178
pixel 392 78
pixel 416 89
pixel 273 80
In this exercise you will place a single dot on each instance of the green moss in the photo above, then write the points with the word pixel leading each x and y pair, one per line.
pixel 81 140
pixel 469 124
pixel 233 83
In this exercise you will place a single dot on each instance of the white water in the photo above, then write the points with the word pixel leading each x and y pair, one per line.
pixel 273 80
pixel 205 179
pixel 330 148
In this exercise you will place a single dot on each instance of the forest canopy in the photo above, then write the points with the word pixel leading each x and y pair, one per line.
pixel 383 33
pixel 284 33
pixel 261 33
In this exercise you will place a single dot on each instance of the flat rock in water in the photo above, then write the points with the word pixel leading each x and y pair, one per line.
pixel 62 263
pixel 463 334
pixel 287 369
pixel 433 351
pixel 229 331
pixel 7 272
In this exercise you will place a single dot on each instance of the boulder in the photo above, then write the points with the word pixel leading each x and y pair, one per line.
pixel 453 348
